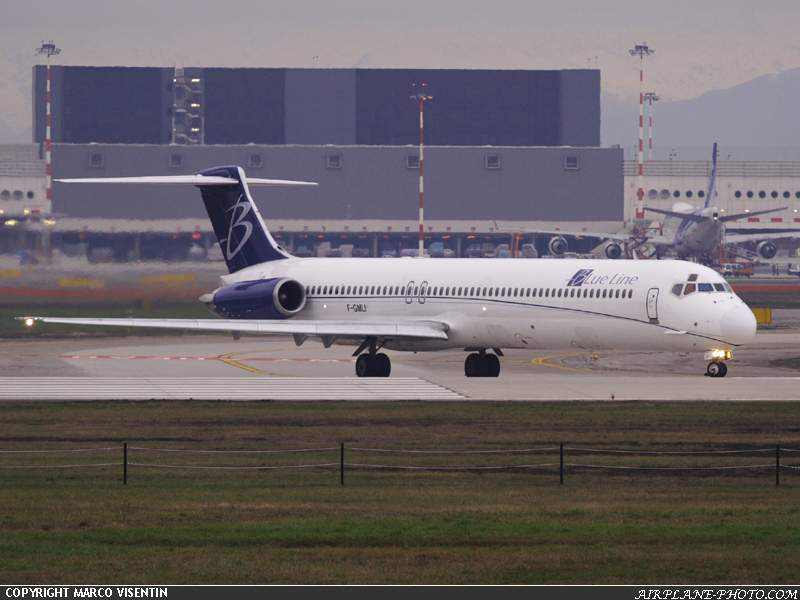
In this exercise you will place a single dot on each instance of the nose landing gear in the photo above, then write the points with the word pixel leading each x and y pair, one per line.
pixel 480 364
pixel 716 369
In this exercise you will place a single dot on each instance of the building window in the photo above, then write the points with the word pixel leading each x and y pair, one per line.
pixel 737 194
pixel 5 195
pixel 664 194
pixel 774 194
pixel 689 194
pixel 31 195
pixel 652 194
pixel 492 161
pixel 334 161
pixel 677 193
pixel 786 194
pixel 96 160
pixel 571 162
pixel 701 193
pixel 412 161
pixel 762 194
pixel 749 194
pixel 175 161
pixel 254 161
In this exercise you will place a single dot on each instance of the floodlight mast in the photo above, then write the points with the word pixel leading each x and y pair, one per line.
pixel 641 50
pixel 48 49
pixel 421 95
pixel 651 97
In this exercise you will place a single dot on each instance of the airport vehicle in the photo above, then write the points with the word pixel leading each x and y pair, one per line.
pixel 422 304
pixel 686 231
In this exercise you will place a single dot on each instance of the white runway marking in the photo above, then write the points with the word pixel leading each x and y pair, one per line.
pixel 194 388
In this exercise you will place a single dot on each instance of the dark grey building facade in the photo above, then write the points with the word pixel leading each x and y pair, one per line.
pixel 355 182
pixel 372 107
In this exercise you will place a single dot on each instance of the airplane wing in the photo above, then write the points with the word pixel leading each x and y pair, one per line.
pixel 734 238
pixel 592 234
pixel 429 330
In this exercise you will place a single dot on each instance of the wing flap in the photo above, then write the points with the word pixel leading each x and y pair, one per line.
pixel 431 330
pixel 199 180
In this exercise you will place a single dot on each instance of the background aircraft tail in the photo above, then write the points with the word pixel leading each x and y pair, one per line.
pixel 713 176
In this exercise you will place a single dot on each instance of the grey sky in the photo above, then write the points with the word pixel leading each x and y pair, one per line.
pixel 700 45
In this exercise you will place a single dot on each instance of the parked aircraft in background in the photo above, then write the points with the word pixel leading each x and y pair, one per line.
pixel 686 231
pixel 416 304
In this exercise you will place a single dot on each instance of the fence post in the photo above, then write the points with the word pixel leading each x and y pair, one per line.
pixel 777 464
pixel 561 456
pixel 125 463
pixel 341 465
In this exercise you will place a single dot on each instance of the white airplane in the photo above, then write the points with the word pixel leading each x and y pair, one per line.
pixel 686 230
pixel 418 304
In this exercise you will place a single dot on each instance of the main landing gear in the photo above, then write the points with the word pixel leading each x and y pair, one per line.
pixel 372 364
pixel 480 364
pixel 716 369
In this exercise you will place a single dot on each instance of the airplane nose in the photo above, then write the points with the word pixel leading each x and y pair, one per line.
pixel 738 325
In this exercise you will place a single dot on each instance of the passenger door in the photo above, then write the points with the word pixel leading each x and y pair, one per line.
pixel 652 305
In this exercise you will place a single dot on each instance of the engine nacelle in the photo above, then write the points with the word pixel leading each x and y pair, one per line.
pixel 278 298
pixel 767 250
pixel 613 251
pixel 557 246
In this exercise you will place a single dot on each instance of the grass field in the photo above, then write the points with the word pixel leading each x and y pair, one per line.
pixel 81 525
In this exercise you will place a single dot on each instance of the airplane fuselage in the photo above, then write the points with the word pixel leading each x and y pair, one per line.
pixel 537 304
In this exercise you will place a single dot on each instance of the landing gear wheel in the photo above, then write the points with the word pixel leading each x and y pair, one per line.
pixel 716 369
pixel 492 365
pixel 474 366
pixel 365 366
pixel 383 365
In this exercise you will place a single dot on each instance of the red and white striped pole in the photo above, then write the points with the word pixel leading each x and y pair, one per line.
pixel 641 50
pixel 651 97
pixel 421 96
pixel 50 50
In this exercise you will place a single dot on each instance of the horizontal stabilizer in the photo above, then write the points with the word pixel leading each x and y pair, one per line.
pixel 679 215
pixel 727 218
pixel 423 330
pixel 198 180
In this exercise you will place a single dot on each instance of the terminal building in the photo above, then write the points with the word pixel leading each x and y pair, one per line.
pixel 520 148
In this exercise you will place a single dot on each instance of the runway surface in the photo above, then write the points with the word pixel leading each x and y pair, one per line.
pixel 272 368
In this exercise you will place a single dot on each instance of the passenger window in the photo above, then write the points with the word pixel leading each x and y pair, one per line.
pixel 533 294
pixel 617 294
pixel 630 293
pixel 604 293
pixel 547 293
pixel 572 293
pixel 559 293
pixel 459 291
pixel 719 287
pixel 528 293
pixel 705 287
pixel 503 292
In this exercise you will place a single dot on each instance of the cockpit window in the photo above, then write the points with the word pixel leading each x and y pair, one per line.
pixel 728 288
pixel 693 277
pixel 690 289
pixel 705 287
pixel 676 289
pixel 719 287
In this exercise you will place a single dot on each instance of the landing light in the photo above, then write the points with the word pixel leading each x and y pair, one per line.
pixel 484 308
pixel 29 321
pixel 721 354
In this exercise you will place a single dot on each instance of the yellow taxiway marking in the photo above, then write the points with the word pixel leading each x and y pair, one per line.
pixel 228 359
pixel 541 361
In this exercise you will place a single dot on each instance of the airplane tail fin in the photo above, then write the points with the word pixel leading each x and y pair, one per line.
pixel 243 237
pixel 713 176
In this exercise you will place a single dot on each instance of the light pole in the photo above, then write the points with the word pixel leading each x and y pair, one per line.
pixel 651 97
pixel 50 50
pixel 421 95
pixel 641 50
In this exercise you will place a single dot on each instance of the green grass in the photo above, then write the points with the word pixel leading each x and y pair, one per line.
pixel 389 525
